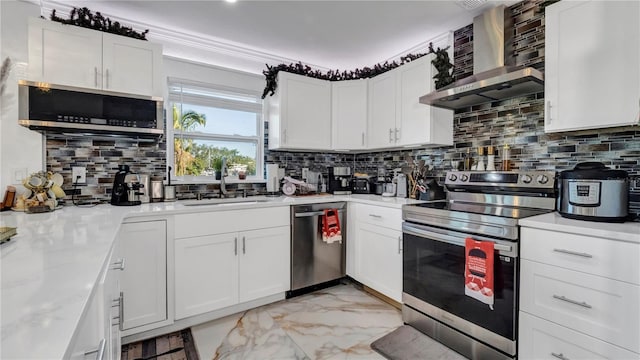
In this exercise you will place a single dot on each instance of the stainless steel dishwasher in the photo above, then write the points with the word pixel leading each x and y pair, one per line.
pixel 313 261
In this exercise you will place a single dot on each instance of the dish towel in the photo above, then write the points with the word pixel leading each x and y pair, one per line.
pixel 478 270
pixel 331 227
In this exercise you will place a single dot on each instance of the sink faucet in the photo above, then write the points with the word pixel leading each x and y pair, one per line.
pixel 223 185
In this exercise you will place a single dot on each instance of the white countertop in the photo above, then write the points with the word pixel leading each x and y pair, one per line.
pixel 628 231
pixel 49 269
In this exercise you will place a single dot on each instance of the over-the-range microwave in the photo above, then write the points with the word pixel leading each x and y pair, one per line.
pixel 60 109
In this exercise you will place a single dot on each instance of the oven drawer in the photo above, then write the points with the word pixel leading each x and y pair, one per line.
pixel 379 215
pixel 604 257
pixel 594 305
pixel 542 339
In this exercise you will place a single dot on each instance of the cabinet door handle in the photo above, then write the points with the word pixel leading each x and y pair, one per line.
pixel 118 265
pixel 559 356
pixel 574 302
pixel 235 246
pixel 548 111
pixel 244 245
pixel 390 135
pixel 107 79
pixel 284 136
pixel 375 216
pixel 121 312
pixel 363 139
pixel 569 252
pixel 397 134
pixel 95 76
pixel 99 351
pixel 399 244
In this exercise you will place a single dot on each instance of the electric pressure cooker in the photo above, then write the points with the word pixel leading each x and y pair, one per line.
pixel 593 192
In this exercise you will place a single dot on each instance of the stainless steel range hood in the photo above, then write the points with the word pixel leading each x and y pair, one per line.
pixel 494 75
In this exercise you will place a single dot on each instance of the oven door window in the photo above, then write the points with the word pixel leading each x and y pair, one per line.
pixel 433 271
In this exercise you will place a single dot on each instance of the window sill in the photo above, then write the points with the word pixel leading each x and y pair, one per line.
pixel 204 180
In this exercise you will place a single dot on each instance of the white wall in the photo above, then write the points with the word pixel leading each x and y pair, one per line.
pixel 21 150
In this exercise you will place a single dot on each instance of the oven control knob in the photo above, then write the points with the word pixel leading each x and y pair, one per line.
pixel 526 179
pixel 453 177
pixel 464 177
pixel 543 179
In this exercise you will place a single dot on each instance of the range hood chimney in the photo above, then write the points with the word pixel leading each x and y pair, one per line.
pixel 495 76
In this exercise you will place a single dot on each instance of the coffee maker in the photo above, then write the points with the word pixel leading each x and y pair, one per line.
pixel 340 180
pixel 126 188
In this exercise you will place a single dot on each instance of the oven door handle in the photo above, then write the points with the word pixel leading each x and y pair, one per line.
pixel 454 240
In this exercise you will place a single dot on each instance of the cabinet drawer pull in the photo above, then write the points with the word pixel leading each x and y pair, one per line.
pixel 390 135
pixel 375 216
pixel 95 76
pixel 559 356
pixel 121 312
pixel 99 351
pixel 244 243
pixel 235 246
pixel 397 136
pixel 574 302
pixel 118 265
pixel 569 252
pixel 107 79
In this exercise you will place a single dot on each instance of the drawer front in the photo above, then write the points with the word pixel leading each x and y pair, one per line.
pixel 597 306
pixel 541 339
pixel 379 215
pixel 603 257
pixel 220 222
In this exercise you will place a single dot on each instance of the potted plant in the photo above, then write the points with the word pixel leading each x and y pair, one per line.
pixel 217 167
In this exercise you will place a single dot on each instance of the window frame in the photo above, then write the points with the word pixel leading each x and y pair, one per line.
pixel 229 104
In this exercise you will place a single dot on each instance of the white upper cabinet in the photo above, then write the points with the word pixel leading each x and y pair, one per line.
pixel 349 114
pixel 397 118
pixel 592 64
pixel 420 124
pixel 299 113
pixel 74 56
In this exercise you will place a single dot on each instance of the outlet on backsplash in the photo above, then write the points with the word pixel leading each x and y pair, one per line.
pixel 79 174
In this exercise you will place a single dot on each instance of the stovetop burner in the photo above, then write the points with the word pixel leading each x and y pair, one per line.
pixel 484 209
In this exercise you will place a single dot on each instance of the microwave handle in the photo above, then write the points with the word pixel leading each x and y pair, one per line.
pixel 453 240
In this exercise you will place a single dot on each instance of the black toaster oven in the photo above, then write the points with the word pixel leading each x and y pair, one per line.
pixel 360 186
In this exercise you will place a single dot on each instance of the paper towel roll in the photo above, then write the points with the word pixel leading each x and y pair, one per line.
pixel 272 178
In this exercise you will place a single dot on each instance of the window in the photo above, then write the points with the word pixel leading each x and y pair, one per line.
pixel 211 122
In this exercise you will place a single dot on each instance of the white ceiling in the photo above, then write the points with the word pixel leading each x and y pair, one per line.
pixel 326 34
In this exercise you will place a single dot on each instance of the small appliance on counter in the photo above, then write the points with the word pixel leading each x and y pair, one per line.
pixel 126 188
pixel 401 186
pixel 157 188
pixel 593 192
pixel 361 185
pixel 340 180
pixel 169 190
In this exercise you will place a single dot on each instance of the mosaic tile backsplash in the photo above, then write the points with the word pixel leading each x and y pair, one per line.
pixel 518 122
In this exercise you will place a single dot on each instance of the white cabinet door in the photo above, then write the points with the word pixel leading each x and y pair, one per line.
pixel 132 66
pixel 382 130
pixel 264 262
pixel 206 273
pixel 349 114
pixel 379 259
pixel 301 113
pixel 64 54
pixel 111 304
pixel 144 279
pixel 420 124
pixel 592 52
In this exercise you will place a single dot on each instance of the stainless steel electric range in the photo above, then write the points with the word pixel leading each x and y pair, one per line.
pixel 447 293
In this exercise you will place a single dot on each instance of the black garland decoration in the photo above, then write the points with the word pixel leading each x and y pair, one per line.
pixel 441 63
pixel 84 18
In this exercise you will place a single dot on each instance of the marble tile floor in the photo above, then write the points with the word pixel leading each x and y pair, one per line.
pixel 335 323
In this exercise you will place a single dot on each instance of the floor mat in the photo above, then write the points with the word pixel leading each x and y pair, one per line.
pixel 405 343
pixel 175 346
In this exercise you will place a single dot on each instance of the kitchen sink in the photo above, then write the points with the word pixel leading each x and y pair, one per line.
pixel 229 201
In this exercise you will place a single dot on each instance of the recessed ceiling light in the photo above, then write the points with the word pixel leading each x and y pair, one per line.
pixel 470 4
pixel 230 1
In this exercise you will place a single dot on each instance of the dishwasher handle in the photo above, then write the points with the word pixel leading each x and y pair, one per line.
pixel 313 213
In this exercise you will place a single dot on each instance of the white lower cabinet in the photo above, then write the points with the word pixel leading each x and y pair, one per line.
pixel 575 300
pixel 378 249
pixel 543 339
pixel 144 278
pixel 246 261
